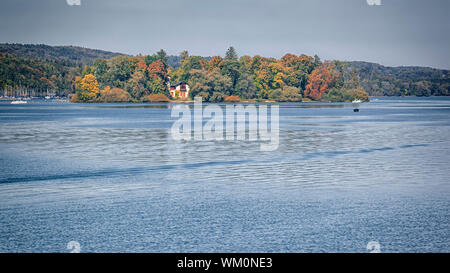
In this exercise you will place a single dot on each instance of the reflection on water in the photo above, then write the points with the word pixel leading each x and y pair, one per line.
pixel 110 177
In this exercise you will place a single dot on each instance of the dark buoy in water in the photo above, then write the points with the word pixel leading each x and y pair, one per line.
pixel 356 110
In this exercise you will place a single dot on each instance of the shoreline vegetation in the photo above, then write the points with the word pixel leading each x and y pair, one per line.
pixel 230 79
pixel 90 76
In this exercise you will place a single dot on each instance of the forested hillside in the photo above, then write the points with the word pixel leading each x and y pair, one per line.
pixel 34 76
pixel 42 69
pixel 380 80
pixel 75 54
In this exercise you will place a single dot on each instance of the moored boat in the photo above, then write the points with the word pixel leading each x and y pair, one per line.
pixel 18 102
pixel 356 105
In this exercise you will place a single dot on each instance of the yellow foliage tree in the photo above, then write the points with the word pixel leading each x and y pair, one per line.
pixel 87 87
pixel 89 84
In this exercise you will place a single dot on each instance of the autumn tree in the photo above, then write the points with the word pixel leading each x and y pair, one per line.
pixel 300 67
pixel 268 75
pixel 157 70
pixel 321 80
pixel 158 77
pixel 114 95
pixel 215 62
pixel 141 65
pixel 87 89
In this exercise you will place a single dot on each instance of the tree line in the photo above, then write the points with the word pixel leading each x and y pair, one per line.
pixel 216 79
pixel 291 78
pixel 36 76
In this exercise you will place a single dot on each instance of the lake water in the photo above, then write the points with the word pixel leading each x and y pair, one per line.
pixel 112 178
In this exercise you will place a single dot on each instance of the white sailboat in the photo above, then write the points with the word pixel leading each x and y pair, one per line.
pixel 18 102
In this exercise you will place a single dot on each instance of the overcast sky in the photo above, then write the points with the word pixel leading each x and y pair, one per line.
pixel 398 32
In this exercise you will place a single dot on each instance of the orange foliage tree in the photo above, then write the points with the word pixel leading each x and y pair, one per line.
pixel 157 70
pixel 321 80
pixel 114 95
pixel 158 76
pixel 215 62
pixel 141 65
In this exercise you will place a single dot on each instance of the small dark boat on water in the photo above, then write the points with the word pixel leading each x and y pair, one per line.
pixel 356 105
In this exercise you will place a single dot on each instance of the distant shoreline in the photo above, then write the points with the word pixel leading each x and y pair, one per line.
pixel 66 100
